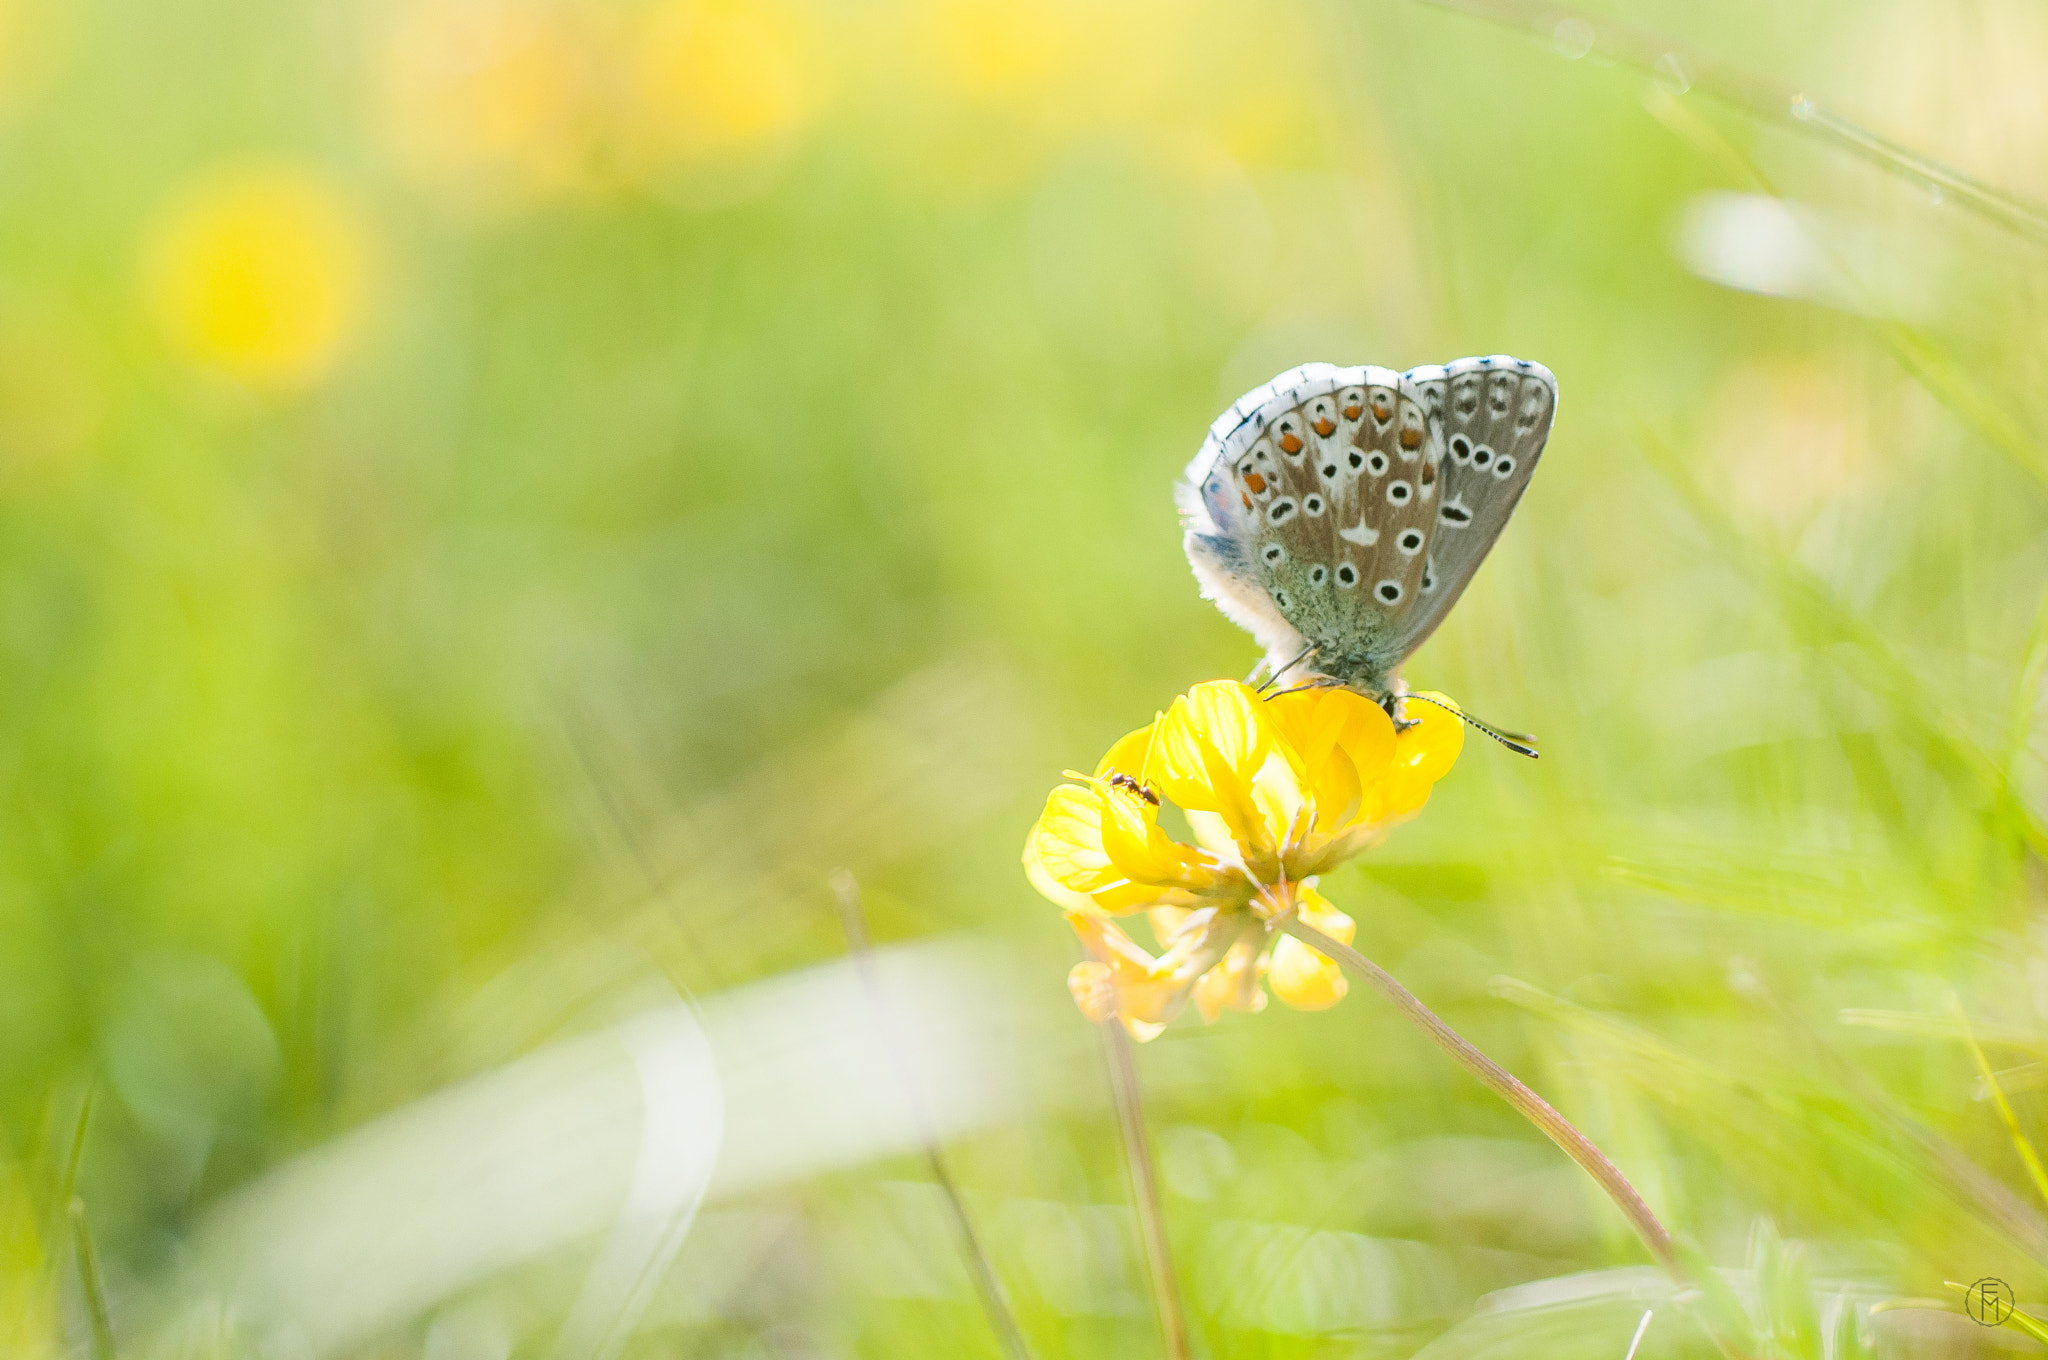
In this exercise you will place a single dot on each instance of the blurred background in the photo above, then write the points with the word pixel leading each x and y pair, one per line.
pixel 500 499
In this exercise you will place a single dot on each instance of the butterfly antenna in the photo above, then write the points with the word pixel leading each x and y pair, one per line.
pixel 1521 743
pixel 1299 657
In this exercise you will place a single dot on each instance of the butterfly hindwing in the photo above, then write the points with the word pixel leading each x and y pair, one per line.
pixel 1325 508
pixel 1493 417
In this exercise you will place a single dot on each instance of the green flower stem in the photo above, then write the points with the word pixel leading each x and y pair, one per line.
pixel 1130 1111
pixel 1504 1084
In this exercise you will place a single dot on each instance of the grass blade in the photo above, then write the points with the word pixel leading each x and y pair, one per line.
pixel 1813 611
pixel 2021 1143
pixel 2015 1319
pixel 994 1301
pixel 1580 34
pixel 1130 1111
pixel 89 1285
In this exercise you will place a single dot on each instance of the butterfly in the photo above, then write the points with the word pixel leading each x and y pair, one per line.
pixel 1338 513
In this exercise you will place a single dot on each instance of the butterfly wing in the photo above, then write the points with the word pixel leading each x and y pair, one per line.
pixel 1309 510
pixel 1223 505
pixel 1325 507
pixel 1492 416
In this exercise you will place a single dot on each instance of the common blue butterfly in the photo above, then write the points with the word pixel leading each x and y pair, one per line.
pixel 1338 513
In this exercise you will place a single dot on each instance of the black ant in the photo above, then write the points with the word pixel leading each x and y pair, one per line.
pixel 1119 780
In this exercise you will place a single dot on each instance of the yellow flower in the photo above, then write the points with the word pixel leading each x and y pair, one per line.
pixel 1276 792
pixel 260 273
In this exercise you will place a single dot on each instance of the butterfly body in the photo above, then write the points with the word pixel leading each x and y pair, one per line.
pixel 1337 513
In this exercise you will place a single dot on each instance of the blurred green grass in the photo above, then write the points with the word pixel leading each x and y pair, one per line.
pixel 483 481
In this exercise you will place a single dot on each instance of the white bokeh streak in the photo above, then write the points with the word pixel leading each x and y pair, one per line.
pixel 618 1135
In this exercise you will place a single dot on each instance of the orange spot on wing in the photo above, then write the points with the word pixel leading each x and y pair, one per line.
pixel 1326 427
pixel 1246 499
pixel 1353 411
pixel 1291 443
pixel 1429 474
pixel 1411 439
pixel 1255 481
pixel 1380 409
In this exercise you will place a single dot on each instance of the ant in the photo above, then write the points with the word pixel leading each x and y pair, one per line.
pixel 1119 780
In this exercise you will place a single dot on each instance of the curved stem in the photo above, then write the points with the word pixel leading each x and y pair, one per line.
pixel 1130 1111
pixel 1504 1084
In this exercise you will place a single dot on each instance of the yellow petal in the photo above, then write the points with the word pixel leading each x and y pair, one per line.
pixel 1205 752
pixel 1342 743
pixel 1095 994
pixel 1140 850
pixel 1107 943
pixel 1213 732
pixel 1423 754
pixel 1234 983
pixel 1093 990
pixel 1128 755
pixel 1213 834
pixel 1146 989
pixel 1060 896
pixel 1166 923
pixel 1066 849
pixel 1303 978
pixel 1315 909
pixel 1429 748
pixel 1367 740
pixel 1066 841
pixel 1279 793
pixel 1309 721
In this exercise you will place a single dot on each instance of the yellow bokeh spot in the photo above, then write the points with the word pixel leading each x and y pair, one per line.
pixel 259 273
pixel 486 88
pixel 993 47
pixel 720 80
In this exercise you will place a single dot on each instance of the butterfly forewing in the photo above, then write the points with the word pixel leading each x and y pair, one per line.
pixel 1325 509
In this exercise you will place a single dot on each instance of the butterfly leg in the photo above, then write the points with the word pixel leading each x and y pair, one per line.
pixel 1299 657
pixel 1320 682
pixel 1391 701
